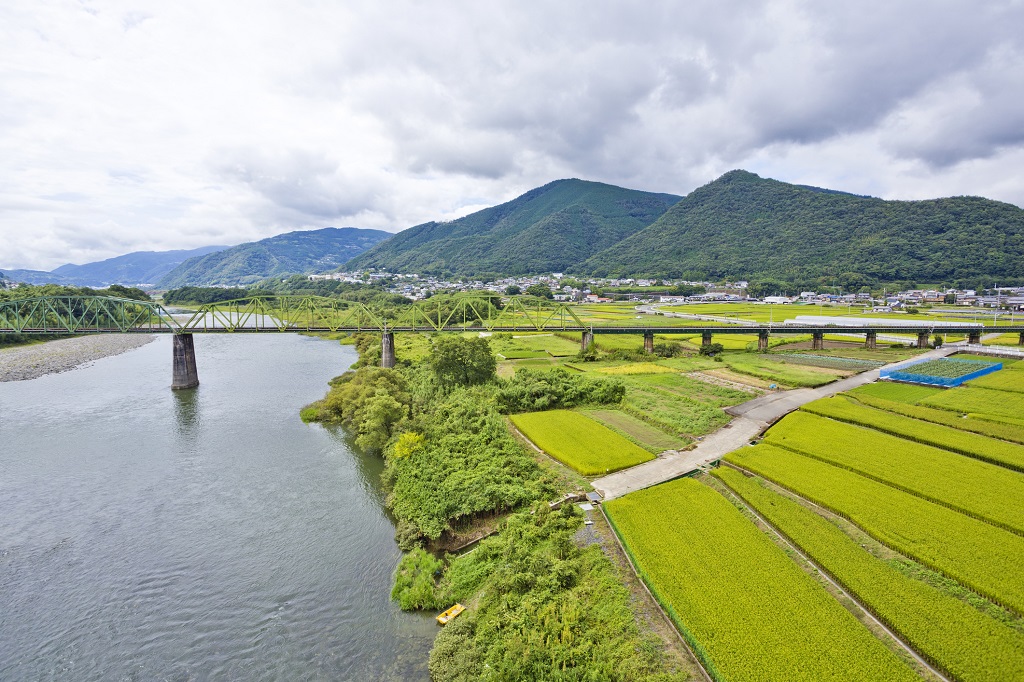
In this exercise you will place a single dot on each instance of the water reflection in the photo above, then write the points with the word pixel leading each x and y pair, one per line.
pixel 186 414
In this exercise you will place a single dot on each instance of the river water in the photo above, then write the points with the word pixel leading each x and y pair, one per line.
pixel 206 534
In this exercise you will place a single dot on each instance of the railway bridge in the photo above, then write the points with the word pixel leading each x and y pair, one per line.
pixel 77 315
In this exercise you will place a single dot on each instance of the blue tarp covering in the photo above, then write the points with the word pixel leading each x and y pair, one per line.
pixel 905 373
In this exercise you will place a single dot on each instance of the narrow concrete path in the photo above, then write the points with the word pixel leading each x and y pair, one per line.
pixel 751 418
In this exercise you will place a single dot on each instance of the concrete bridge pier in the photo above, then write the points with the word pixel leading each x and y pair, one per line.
pixel 871 340
pixel 705 338
pixel 1020 341
pixel 922 339
pixel 586 339
pixel 649 342
pixel 817 340
pixel 975 337
pixel 762 342
pixel 387 350
pixel 185 373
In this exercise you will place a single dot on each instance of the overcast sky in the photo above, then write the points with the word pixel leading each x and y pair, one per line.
pixel 131 126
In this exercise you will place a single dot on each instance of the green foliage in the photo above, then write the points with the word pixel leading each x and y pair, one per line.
pixel 458 361
pixel 530 390
pixel 371 401
pixel 711 349
pixel 284 254
pixel 34 291
pixel 949 633
pixel 513 290
pixel 978 555
pixel 741 225
pixel 544 609
pixel 540 290
pixel 548 229
pixel 414 580
pixel 469 464
pixel 580 442
pixel 588 354
pixel 746 609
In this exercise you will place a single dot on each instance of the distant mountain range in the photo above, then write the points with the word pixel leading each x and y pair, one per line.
pixel 548 229
pixel 286 254
pixel 141 268
pixel 739 226
pixel 745 226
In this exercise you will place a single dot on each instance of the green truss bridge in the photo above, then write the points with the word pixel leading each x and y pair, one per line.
pixel 76 315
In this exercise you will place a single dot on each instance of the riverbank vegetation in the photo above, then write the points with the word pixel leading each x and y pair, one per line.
pixel 542 604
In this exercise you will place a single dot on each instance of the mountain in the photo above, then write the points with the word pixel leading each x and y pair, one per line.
pixel 745 226
pixel 548 229
pixel 285 254
pixel 140 268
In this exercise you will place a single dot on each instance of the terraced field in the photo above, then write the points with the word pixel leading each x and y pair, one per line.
pixel 745 607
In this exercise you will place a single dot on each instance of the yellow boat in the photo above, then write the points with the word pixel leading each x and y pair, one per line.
pixel 450 613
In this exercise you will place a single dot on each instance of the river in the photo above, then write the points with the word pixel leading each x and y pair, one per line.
pixel 206 534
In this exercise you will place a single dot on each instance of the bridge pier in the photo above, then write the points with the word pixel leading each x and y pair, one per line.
pixel 817 340
pixel 1020 341
pixel 762 342
pixel 649 342
pixel 185 373
pixel 705 337
pixel 871 340
pixel 974 338
pixel 922 339
pixel 586 339
pixel 387 350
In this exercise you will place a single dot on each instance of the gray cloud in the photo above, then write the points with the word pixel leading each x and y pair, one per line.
pixel 129 126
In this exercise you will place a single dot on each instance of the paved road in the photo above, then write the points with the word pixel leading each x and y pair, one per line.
pixel 751 418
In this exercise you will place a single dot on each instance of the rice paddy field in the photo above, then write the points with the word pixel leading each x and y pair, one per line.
pixel 746 609
pixel 909 497
pixel 579 442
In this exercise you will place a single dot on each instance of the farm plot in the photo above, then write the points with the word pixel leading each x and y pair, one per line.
pixel 985 491
pixel 954 420
pixel 748 611
pixel 830 362
pixel 719 396
pixel 952 635
pixel 550 344
pixel 1011 380
pixel 971 444
pixel 982 557
pixel 580 442
pixel 773 370
pixel 976 400
pixel 647 436
pixel 902 393
pixel 941 372
pixel 637 368
pixel 671 412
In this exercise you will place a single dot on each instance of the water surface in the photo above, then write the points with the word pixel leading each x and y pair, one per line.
pixel 206 534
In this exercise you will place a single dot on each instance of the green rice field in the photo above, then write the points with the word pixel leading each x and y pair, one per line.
pixel 979 489
pixel 645 435
pixel 580 442
pixel 747 610
pixel 984 558
pixel 960 640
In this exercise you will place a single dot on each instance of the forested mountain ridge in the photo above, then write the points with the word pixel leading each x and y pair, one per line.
pixel 284 254
pixel 743 226
pixel 131 269
pixel 548 229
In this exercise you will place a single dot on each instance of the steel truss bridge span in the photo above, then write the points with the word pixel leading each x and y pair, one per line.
pixel 77 315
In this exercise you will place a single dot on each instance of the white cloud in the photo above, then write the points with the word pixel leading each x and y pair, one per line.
pixel 143 125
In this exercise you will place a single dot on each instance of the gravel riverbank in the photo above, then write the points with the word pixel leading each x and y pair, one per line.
pixel 30 362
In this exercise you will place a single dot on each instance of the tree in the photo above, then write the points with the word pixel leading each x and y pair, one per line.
pixel 513 290
pixel 711 349
pixel 457 361
pixel 541 290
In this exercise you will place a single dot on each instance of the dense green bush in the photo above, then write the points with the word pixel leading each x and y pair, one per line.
pixel 531 390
